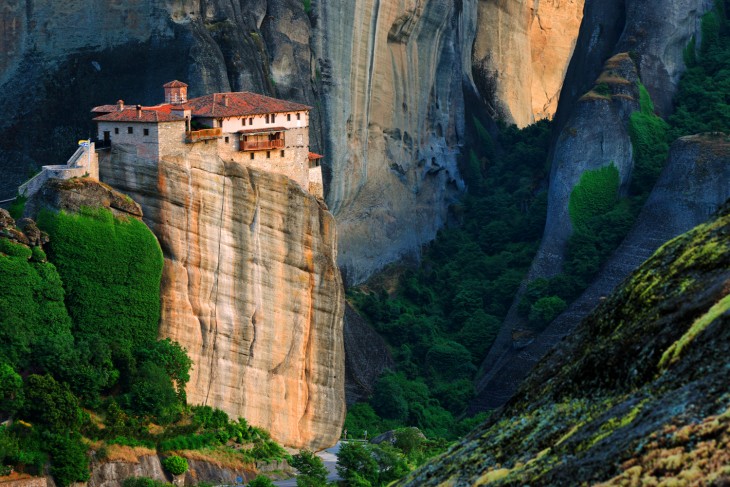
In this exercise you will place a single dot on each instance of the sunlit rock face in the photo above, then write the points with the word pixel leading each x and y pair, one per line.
pixel 521 54
pixel 250 288
pixel 393 75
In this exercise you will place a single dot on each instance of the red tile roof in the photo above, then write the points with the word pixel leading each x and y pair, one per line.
pixel 174 84
pixel 313 156
pixel 240 104
pixel 147 115
pixel 105 109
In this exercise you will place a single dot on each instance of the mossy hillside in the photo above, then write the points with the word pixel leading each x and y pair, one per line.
pixel 111 268
pixel 32 310
pixel 603 403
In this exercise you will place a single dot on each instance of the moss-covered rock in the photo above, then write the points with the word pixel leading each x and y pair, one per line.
pixel 638 395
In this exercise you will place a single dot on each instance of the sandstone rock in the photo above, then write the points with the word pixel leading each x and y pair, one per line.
pixel 72 195
pixel 692 187
pixel 521 53
pixel 6 221
pixel 392 78
pixel 34 235
pixel 250 287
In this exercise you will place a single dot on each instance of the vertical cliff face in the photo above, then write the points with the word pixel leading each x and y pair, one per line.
pixel 392 76
pixel 250 288
pixel 521 53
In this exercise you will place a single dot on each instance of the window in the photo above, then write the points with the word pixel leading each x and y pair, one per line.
pixel 299 116
pixel 268 154
pixel 243 121
pixel 226 140
pixel 130 130
pixel 146 131
pixel 116 130
pixel 252 156
pixel 267 118
pixel 282 153
pixel 288 117
pixel 273 118
pixel 250 121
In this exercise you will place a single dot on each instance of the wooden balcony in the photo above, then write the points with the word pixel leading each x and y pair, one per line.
pixel 197 135
pixel 262 145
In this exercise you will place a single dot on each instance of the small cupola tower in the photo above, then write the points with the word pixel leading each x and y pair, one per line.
pixel 176 92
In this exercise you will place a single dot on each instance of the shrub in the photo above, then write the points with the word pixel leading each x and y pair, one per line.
pixel 143 482
pixel 595 194
pixel 545 310
pixel 649 138
pixel 312 472
pixel 51 404
pixel 261 481
pixel 175 465
pixel 69 461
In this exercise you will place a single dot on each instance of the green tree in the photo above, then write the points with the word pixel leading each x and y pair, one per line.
pixel 69 461
pixel 51 404
pixel 173 358
pixel 355 464
pixel 546 310
pixel 388 398
pixel 175 465
pixel 11 389
pixel 152 393
pixel 261 481
pixel 312 472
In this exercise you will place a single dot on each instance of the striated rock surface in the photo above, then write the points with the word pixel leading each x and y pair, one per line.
pixel 250 287
pixel 392 76
pixel 521 54
pixel 692 187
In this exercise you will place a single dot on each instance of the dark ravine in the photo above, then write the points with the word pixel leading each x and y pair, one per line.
pixel 637 394
pixel 591 132
pixel 692 186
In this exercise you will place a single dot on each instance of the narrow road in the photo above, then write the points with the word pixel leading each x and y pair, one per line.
pixel 328 456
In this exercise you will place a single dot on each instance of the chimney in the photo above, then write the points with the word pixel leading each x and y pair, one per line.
pixel 120 105
pixel 225 100
pixel 139 111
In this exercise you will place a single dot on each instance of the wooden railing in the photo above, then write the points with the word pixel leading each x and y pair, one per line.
pixel 196 135
pixel 262 145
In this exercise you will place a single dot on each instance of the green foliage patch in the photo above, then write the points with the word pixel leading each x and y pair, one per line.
pixel 595 194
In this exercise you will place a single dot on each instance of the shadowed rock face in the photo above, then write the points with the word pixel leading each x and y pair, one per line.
pixel 250 288
pixel 393 75
pixel 521 54
pixel 692 187
pixel 366 357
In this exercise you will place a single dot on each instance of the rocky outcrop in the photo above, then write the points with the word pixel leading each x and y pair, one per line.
pixel 250 287
pixel 521 54
pixel 366 357
pixel 691 188
pixel 637 395
pixel 113 474
pixel 655 32
pixel 74 194
pixel 392 78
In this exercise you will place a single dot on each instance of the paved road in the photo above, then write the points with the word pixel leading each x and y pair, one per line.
pixel 329 457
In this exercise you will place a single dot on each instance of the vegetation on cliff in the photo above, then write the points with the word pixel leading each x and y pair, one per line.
pixel 637 395
pixel 79 328
pixel 441 318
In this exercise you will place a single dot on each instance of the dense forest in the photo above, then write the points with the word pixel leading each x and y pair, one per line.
pixel 443 315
